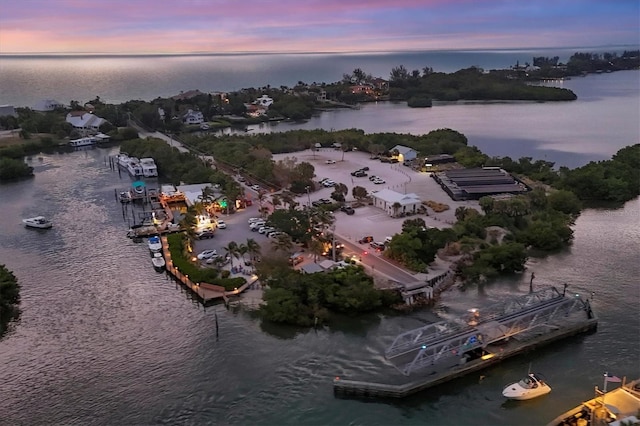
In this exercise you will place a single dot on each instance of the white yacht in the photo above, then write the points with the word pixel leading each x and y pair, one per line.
pixel 529 387
pixel 155 245
pixel 134 167
pixel 37 222
pixel 158 262
pixel 149 168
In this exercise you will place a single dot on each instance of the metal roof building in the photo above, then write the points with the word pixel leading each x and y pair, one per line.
pixel 472 184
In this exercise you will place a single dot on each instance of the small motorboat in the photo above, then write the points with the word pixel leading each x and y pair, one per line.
pixel 532 386
pixel 37 222
pixel 125 197
pixel 158 262
pixel 155 245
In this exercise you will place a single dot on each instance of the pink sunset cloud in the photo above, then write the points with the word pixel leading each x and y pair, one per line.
pixel 219 26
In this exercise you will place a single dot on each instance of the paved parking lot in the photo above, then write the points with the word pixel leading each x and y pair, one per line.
pixel 369 220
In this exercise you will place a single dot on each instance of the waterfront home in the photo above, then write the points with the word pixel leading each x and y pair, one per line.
pixel 404 153
pixel 193 117
pixel 395 203
pixel 255 110
pixel 264 101
pixel 84 122
pixel 47 105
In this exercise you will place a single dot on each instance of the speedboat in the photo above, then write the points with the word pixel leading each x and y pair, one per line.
pixel 37 222
pixel 532 386
pixel 125 197
pixel 155 245
pixel 158 262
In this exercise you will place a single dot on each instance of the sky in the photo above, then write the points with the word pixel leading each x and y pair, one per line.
pixel 231 26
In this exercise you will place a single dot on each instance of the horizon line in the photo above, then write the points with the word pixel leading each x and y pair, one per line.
pixel 351 52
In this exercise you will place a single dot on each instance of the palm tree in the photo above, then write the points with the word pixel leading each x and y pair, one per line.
pixel 253 248
pixel 242 250
pixel 276 201
pixel 316 247
pixel 282 243
pixel 232 251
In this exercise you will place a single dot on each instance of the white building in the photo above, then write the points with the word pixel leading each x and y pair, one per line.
pixel 404 153
pixel 86 123
pixel 8 110
pixel 386 199
pixel 193 117
pixel 264 100
pixel 47 105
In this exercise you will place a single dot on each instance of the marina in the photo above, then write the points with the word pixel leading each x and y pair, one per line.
pixel 440 352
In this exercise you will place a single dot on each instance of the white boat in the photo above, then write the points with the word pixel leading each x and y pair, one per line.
pixel 149 168
pixel 37 222
pixel 531 386
pixel 123 160
pixel 82 141
pixel 125 197
pixel 155 245
pixel 158 262
pixel 134 167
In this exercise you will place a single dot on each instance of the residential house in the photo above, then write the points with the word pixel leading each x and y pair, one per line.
pixel 47 105
pixel 364 89
pixel 255 110
pixel 264 101
pixel 193 117
pixel 404 153
pixel 386 200
pixel 84 122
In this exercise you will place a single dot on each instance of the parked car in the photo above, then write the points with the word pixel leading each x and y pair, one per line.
pixel 296 258
pixel 257 225
pixel 373 177
pixel 366 239
pixel 379 181
pixel 222 224
pixel 266 229
pixel 348 210
pixel 330 162
pixel 365 169
pixel 206 234
pixel 241 179
pixel 255 187
pixel 207 254
pixel 377 246
pixel 254 219
pixel 328 183
pixel 359 173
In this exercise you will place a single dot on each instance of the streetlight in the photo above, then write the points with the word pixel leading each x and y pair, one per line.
pixel 308 196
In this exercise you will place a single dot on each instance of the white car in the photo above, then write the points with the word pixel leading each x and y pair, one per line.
pixel 330 162
pixel 379 181
pixel 257 225
pixel 222 224
pixel 254 219
pixel 207 254
pixel 266 229
pixel 328 183
pixel 255 187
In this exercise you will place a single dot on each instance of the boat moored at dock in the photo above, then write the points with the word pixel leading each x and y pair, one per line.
pixel 158 262
pixel 149 168
pixel 155 245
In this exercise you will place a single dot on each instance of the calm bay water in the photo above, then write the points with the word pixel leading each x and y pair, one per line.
pixel 104 340
pixel 602 120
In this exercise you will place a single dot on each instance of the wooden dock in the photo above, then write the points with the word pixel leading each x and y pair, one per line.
pixel 206 293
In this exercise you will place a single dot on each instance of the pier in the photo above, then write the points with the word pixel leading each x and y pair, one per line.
pixel 439 352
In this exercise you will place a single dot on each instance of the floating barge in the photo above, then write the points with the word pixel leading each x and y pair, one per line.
pixel 440 352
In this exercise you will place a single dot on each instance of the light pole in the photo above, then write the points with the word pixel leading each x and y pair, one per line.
pixel 308 197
